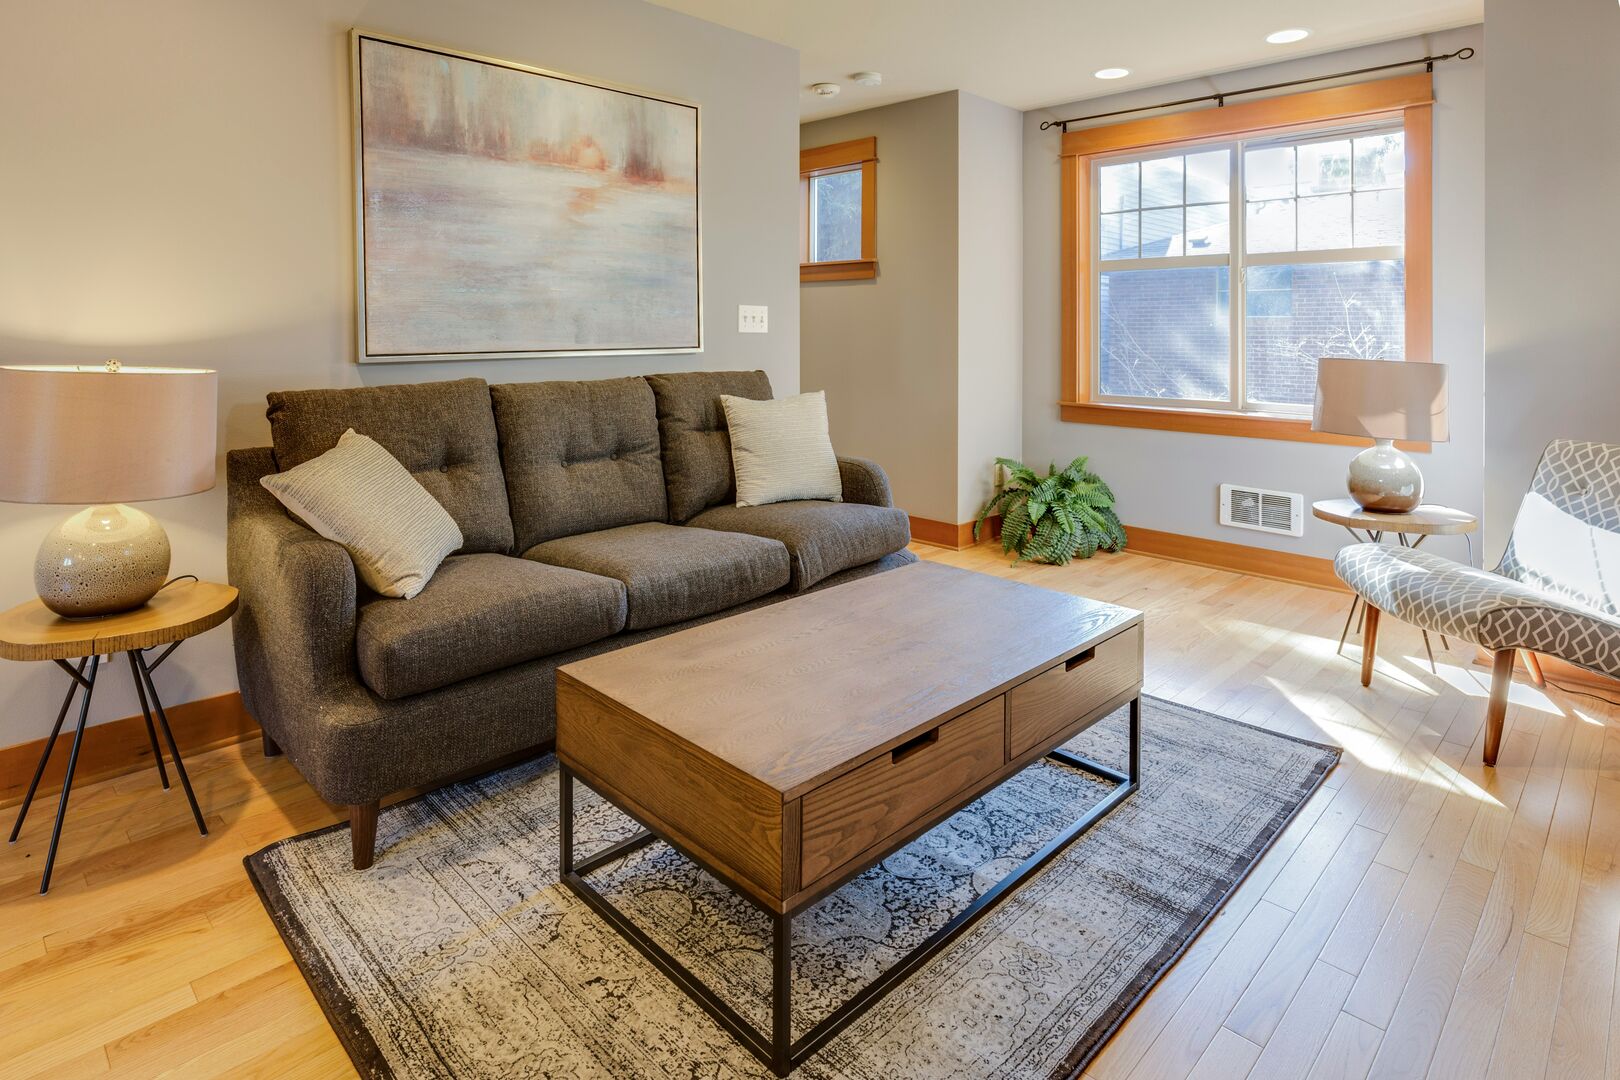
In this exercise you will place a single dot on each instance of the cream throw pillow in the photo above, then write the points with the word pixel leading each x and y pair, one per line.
pixel 359 494
pixel 780 449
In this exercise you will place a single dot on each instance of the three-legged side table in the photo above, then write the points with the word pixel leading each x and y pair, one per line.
pixel 31 631
pixel 1425 521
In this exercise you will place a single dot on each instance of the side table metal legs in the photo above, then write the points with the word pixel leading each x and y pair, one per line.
pixel 85 676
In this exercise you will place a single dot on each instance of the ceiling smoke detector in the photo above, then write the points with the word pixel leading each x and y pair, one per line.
pixel 867 78
pixel 825 89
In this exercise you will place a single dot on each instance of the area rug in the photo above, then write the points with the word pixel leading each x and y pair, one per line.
pixel 459 955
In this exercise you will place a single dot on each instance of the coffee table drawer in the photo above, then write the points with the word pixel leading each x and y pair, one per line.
pixel 1039 709
pixel 881 798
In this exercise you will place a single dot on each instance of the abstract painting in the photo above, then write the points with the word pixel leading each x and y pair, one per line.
pixel 505 211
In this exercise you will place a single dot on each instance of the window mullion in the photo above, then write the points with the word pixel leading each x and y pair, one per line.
pixel 1236 286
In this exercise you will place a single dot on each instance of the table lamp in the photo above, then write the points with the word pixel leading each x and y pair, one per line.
pixel 1382 400
pixel 104 436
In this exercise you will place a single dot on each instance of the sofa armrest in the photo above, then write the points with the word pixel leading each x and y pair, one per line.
pixel 864 482
pixel 295 623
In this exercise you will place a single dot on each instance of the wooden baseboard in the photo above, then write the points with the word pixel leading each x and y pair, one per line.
pixel 947 535
pixel 121 746
pixel 1256 562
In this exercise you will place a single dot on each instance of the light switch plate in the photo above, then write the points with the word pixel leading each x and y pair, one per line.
pixel 753 319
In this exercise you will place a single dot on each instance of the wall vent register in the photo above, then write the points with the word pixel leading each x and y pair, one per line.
pixel 1263 510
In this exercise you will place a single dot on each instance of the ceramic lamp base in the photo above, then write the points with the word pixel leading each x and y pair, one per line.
pixel 101 561
pixel 1382 478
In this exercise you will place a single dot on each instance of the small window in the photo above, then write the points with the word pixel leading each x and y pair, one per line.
pixel 835 217
pixel 838 212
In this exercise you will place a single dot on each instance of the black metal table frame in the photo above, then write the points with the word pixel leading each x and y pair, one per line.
pixel 779 1050
pixel 1376 536
pixel 146 690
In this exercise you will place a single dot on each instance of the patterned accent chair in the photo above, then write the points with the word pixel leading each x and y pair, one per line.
pixel 1556 591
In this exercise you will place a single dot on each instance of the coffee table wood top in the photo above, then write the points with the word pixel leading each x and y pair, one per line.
pixel 787 694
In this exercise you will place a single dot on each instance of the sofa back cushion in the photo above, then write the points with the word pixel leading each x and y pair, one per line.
pixel 692 427
pixel 442 432
pixel 579 456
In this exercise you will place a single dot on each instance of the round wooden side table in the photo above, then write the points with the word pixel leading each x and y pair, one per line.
pixel 31 631
pixel 1427 520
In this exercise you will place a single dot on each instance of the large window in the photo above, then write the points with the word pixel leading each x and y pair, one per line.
pixel 838 211
pixel 1207 270
pixel 1223 272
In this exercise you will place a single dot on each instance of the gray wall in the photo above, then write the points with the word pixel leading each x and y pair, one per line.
pixel 177 190
pixel 884 350
pixel 990 286
pixel 922 365
pixel 1552 332
pixel 1170 480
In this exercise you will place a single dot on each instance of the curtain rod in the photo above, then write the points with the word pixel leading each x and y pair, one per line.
pixel 1220 98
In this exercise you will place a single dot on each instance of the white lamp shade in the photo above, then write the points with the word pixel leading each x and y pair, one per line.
pixel 88 435
pixel 1381 399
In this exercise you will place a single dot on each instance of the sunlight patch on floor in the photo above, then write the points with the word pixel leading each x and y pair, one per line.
pixel 1476 684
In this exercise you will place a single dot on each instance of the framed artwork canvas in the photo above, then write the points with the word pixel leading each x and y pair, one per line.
pixel 507 211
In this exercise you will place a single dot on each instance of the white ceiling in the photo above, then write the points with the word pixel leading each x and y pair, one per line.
pixel 1032 53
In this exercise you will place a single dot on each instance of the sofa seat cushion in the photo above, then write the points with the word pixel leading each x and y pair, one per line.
pixel 670 573
pixel 822 538
pixel 481 613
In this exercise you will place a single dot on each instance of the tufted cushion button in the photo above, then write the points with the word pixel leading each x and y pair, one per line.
pixel 614 456
pixel 444 468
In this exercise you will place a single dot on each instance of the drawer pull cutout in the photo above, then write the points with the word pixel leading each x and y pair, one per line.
pixel 1080 658
pixel 914 744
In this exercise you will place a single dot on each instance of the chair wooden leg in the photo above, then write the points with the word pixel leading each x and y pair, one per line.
pixel 1532 663
pixel 1369 644
pixel 1496 708
pixel 363 834
pixel 270 747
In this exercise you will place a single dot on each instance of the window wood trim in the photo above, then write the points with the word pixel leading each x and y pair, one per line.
pixel 1409 97
pixel 835 158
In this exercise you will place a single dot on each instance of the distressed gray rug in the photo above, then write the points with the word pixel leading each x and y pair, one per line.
pixel 459 955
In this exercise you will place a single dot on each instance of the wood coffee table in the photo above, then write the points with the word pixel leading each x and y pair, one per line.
pixel 788 749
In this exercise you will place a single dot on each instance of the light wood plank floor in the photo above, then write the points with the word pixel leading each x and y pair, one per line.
pixel 1422 916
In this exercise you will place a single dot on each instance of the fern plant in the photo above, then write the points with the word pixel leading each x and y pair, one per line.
pixel 1056 517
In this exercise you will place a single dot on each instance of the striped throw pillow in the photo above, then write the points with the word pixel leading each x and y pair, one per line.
pixel 359 494
pixel 780 449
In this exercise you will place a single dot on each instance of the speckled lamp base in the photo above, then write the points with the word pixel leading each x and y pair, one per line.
pixel 102 561
pixel 1383 478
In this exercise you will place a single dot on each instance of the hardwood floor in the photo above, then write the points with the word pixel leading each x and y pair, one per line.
pixel 1423 915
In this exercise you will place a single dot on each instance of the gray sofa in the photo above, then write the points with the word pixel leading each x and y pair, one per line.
pixel 595 515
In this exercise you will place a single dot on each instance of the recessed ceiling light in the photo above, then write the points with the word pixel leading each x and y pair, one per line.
pixel 1112 73
pixel 1288 37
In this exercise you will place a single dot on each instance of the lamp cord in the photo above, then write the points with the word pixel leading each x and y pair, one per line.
pixel 1582 693
pixel 178 577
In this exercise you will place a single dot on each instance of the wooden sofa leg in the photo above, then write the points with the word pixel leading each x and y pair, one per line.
pixel 1496 708
pixel 1532 663
pixel 270 747
pixel 363 834
pixel 1369 645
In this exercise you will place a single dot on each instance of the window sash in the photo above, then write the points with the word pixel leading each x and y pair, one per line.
pixel 1237 260
pixel 814 210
